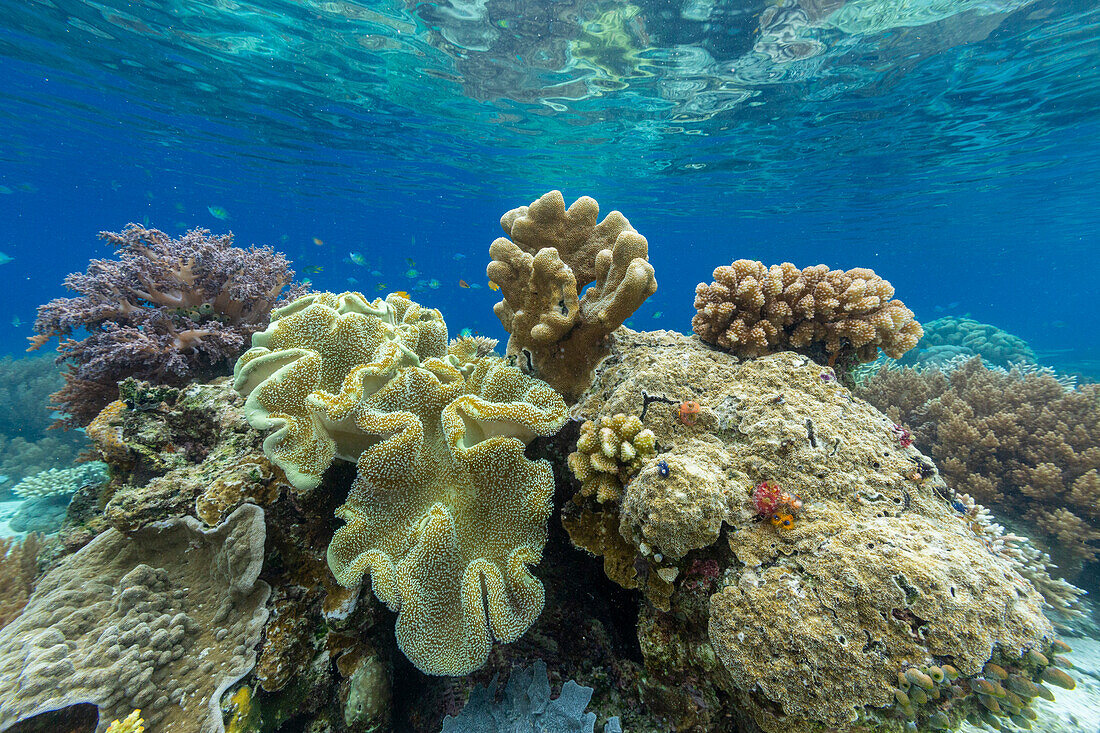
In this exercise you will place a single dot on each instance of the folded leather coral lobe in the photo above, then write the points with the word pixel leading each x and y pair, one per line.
pixel 446 512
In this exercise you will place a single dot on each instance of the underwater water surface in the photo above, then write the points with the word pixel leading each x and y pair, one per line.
pixel 952 146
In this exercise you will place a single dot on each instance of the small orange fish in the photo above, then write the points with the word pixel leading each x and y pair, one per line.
pixel 493 286
pixel 463 284
pixel 318 241
pixel 402 293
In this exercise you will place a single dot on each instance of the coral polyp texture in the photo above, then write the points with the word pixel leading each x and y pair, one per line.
pixel 164 620
pixel 802 628
pixel 552 255
pixel 166 310
pixel 445 512
pixel 751 310
pixel 609 453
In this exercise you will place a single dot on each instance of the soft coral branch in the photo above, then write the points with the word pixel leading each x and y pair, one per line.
pixel 167 310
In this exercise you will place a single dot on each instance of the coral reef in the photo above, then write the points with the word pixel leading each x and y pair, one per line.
pixel 949 337
pixel 61 481
pixel 552 256
pixel 166 310
pixel 163 620
pixel 1019 442
pixel 526 706
pixel 26 447
pixel 18 567
pixel 829 315
pixel 879 574
pixel 445 512
pixel 610 453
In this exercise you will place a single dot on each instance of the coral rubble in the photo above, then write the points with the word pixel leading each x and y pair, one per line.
pixel 807 626
pixel 1019 442
pixel 445 512
pixel 166 310
pixel 163 620
pixel 552 255
pixel 751 310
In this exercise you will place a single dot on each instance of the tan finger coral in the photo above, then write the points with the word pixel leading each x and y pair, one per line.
pixel 753 310
pixel 446 513
pixel 609 453
pixel 552 256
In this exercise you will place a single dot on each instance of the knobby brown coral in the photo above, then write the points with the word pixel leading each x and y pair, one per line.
pixel 1020 442
pixel 552 256
pixel 166 310
pixel 752 310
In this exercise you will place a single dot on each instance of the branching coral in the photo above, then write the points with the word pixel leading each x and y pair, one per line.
pixel 1020 442
pixel 552 256
pixel 60 481
pixel 166 310
pixel 445 512
pixel 752 310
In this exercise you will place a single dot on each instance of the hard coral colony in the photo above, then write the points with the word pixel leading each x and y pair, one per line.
pixel 891 603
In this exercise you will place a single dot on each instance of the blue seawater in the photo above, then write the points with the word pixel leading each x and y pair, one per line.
pixel 951 145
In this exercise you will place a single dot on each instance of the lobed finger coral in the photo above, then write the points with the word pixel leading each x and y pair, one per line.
pixel 609 453
pixel 553 255
pixel 751 310
pixel 1018 441
pixel 166 310
pixel 446 513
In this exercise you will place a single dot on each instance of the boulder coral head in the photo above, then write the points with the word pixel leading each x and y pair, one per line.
pixel 445 512
pixel 553 254
pixel 752 310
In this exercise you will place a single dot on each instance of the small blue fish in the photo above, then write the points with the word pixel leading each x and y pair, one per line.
pixel 475 286
pixel 433 284
pixel 459 256
pixel 5 259
pixel 352 281
pixel 218 212
pixel 658 314
pixel 357 258
pixel 409 260
pixel 411 273
pixel 376 273
pixel 314 269
pixel 465 333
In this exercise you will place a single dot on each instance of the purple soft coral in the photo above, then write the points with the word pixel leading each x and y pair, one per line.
pixel 166 310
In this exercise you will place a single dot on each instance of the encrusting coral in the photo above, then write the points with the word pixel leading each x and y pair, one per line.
pixel 552 256
pixel 752 310
pixel 445 512
pixel 802 627
pixel 167 310
pixel 1019 442
pixel 163 620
